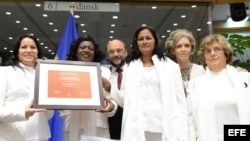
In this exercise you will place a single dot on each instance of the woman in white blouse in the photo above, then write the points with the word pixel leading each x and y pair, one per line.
pixel 181 45
pixel 79 123
pixel 153 99
pixel 19 121
pixel 221 95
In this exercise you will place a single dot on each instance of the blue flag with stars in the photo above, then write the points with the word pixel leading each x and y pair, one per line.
pixel 70 34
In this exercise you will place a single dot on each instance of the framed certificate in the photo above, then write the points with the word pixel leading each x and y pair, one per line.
pixel 68 85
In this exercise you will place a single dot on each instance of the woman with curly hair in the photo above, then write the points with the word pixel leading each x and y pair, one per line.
pixel 86 122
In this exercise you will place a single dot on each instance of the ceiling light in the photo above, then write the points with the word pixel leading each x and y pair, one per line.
pixel 38 5
pixel 193 6
pixel 41 43
pixel 143 25
pixel 82 24
pixel 5 48
pixel 111 37
pixel 163 36
pixel 115 17
pixel 77 16
pixel 112 25
pixel 168 31
pixel 49 50
pixel 198 29
pixel 45 15
pixel 11 51
pixel 52 53
pixel 209 22
pixel 175 24
pixel 45 47
pixel 55 30
pixel 154 7
pixel 183 16
pixel 25 28
pixel 8 13
pixel 84 31
pixel 112 31
pixel 10 38
pixel 50 23
pixel 18 22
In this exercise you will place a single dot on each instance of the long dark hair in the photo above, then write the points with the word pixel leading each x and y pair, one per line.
pixel 14 59
pixel 98 55
pixel 158 50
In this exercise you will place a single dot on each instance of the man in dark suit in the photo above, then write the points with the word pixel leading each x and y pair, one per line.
pixel 116 54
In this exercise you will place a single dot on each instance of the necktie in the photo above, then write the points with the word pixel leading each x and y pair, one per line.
pixel 119 78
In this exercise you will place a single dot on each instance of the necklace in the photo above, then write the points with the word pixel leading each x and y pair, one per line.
pixel 185 74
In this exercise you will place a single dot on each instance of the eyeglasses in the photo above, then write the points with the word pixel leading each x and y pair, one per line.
pixel 215 50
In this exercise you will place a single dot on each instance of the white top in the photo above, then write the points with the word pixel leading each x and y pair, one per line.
pixel 114 76
pixel 196 70
pixel 86 122
pixel 16 92
pixel 114 88
pixel 151 103
pixel 166 88
pixel 224 101
pixel 218 99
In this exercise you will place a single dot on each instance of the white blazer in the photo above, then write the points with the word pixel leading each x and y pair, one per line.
pixel 203 111
pixel 16 92
pixel 174 106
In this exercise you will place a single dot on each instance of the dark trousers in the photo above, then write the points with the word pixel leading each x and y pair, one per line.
pixel 115 124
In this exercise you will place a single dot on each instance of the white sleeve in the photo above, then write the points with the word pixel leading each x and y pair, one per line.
pixel 112 113
pixel 8 113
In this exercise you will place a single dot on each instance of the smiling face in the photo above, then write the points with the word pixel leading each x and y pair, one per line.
pixel 182 50
pixel 27 52
pixel 85 51
pixel 117 53
pixel 146 42
pixel 215 57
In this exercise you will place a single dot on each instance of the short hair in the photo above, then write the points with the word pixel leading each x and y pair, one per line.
pixel 222 41
pixel 175 36
pixel 98 54
pixel 124 45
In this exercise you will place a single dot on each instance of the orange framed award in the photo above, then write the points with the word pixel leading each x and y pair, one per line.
pixel 68 85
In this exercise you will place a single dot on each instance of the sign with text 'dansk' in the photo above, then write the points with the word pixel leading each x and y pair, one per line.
pixel 81 6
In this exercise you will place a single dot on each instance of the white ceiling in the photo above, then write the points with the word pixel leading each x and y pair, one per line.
pixel 97 24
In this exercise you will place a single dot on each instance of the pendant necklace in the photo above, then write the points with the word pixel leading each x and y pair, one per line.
pixel 185 74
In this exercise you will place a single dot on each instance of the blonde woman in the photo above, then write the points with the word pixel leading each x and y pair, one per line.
pixel 221 95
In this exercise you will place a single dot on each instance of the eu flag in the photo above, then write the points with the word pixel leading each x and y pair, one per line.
pixel 70 34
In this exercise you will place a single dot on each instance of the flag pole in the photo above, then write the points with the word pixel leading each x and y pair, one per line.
pixel 70 34
pixel 72 7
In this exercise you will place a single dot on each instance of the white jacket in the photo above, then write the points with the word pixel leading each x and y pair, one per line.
pixel 203 111
pixel 16 92
pixel 174 106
